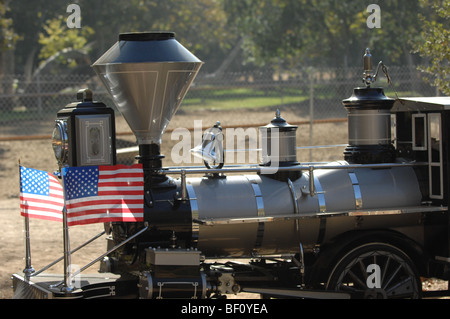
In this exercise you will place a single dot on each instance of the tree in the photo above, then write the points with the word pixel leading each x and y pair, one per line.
pixel 28 17
pixel 435 45
pixel 322 32
pixel 200 25
pixel 57 38
pixel 8 39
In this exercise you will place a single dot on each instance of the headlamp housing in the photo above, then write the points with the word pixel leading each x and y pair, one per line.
pixel 84 133
pixel 59 141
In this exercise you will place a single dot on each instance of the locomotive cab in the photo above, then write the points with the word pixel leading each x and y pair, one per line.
pixel 421 127
pixel 421 132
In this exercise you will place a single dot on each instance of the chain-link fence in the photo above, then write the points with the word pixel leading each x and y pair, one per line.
pixel 28 106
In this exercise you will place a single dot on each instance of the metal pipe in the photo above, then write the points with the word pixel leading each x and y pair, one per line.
pixel 294 195
pixel 368 212
pixel 312 186
pixel 259 169
pixel 183 185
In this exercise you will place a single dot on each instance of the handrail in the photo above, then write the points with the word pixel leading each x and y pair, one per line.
pixel 184 171
pixel 77 272
pixel 71 252
pixel 262 169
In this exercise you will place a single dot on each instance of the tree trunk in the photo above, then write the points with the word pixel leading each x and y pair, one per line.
pixel 6 80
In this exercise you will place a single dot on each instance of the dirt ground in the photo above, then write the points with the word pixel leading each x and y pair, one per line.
pixel 46 236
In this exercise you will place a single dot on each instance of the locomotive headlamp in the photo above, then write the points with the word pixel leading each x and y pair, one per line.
pixel 84 133
pixel 59 141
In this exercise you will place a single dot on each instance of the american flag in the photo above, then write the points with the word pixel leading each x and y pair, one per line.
pixel 41 195
pixel 98 194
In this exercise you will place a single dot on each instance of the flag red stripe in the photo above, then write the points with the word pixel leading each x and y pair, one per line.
pixel 119 167
pixel 118 183
pixel 121 175
pixel 103 202
pixel 55 201
pixel 38 216
pixel 118 187
pixel 25 208
pixel 110 211
pixel 118 193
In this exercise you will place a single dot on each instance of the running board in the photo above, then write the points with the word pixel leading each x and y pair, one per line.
pixel 298 293
pixel 444 259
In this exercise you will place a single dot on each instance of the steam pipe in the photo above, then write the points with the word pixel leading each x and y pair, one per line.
pixel 151 160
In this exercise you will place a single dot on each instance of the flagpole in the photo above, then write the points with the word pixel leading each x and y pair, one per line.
pixel 67 257
pixel 28 267
pixel 68 288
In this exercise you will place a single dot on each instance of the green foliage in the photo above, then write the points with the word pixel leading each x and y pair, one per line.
pixel 8 37
pixel 435 45
pixel 275 33
pixel 57 37
pixel 322 32
pixel 241 98
pixel 200 25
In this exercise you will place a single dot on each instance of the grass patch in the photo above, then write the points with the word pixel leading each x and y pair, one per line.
pixel 16 116
pixel 241 98
pixel 244 103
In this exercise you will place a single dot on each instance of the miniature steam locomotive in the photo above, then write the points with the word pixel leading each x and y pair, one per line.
pixel 368 226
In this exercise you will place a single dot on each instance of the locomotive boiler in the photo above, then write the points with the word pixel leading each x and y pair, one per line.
pixel 365 226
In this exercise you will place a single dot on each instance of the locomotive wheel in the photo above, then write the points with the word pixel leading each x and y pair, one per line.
pixel 376 271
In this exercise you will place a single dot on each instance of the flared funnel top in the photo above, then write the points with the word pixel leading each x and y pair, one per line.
pixel 148 75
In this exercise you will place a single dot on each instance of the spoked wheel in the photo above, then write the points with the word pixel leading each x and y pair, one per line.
pixel 378 271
